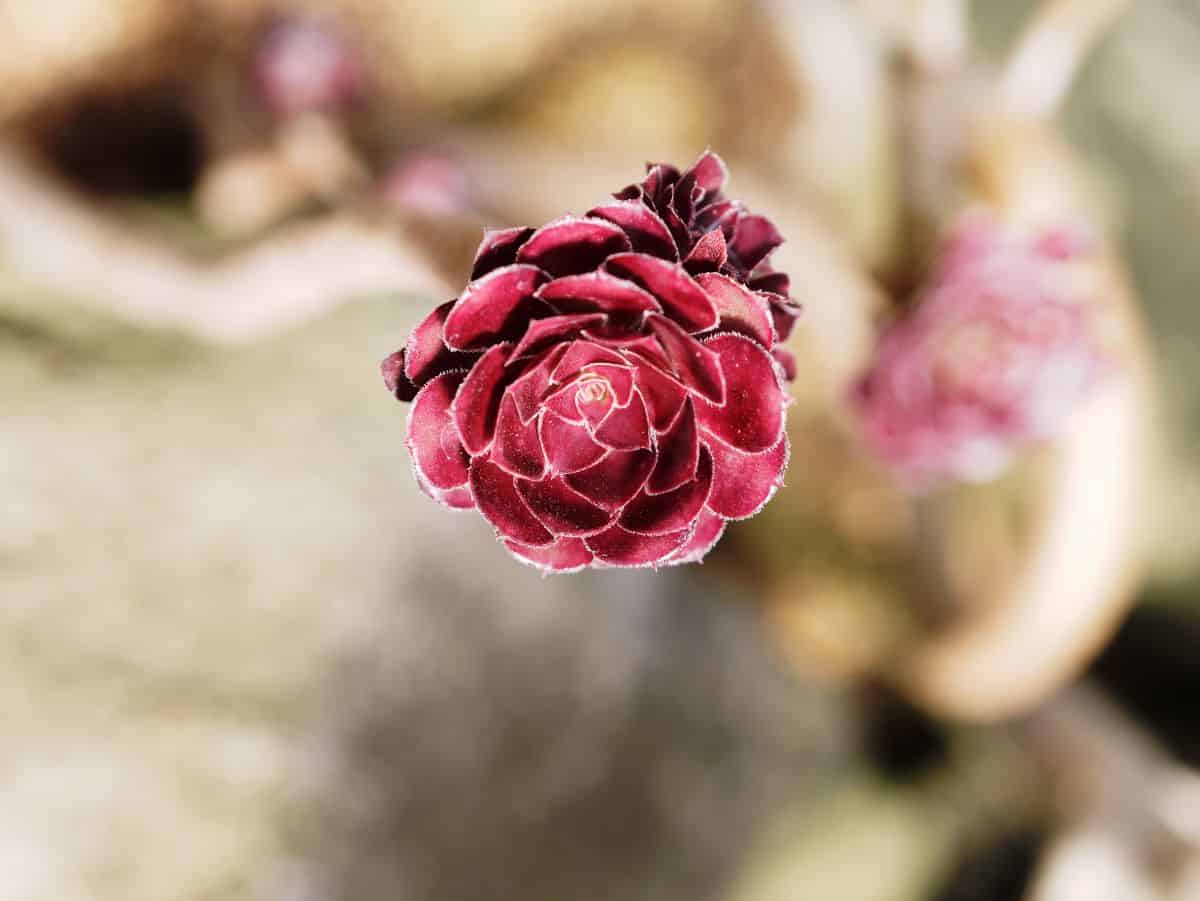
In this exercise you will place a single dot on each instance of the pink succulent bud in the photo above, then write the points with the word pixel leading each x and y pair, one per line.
pixel 428 184
pixel 995 354
pixel 306 65
pixel 604 390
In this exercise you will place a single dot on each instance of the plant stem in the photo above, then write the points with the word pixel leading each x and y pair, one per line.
pixel 1051 51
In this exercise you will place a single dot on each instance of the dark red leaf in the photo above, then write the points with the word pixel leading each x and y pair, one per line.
pixel 530 388
pixel 392 370
pixel 598 291
pixel 787 362
pixel 752 417
pixel 579 354
pixel 542 332
pixel 426 353
pixel 708 255
pixel 612 481
pixel 570 245
pixel 743 483
pixel 680 296
pixel 645 228
pixel 497 306
pixel 619 547
pixel 664 396
pixel 478 401
pixel 755 238
pixel 740 309
pixel 678 454
pixel 569 446
pixel 660 514
pixel 698 367
pixel 709 529
pixel 567 555
pixel 518 446
pixel 625 428
pixel 710 172
pixel 432 436
pixel 562 509
pixel 498 248
pixel 784 313
pixel 496 497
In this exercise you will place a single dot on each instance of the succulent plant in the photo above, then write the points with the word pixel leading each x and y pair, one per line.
pixel 608 390
pixel 994 354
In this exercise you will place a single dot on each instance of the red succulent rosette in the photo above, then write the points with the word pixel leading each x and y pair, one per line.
pixel 608 390
pixel 999 349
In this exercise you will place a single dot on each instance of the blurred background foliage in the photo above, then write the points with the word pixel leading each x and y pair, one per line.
pixel 242 657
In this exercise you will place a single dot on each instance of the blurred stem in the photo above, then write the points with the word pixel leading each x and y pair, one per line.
pixel 935 602
pixel 938 40
pixel 1121 792
pixel 1051 51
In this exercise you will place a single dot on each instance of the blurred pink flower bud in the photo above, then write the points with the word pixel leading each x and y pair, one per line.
pixel 427 184
pixel 604 390
pixel 992 356
pixel 307 65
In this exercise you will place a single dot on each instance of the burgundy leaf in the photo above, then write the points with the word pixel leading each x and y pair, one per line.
pixel 529 389
pixel 598 291
pixel 495 307
pixel 554 328
pixel 710 172
pixel 743 483
pixel 678 454
pixel 645 228
pixel 478 401
pixel 708 255
pixel 755 238
pixel 644 347
pixel 698 366
pixel 518 446
pixel 426 353
pixel 432 436
pixel 787 362
pixel 564 404
pixel 680 296
pixel 496 497
pixel 664 397
pixel 392 370
pixel 625 428
pixel 784 313
pixel 562 509
pixel 498 248
pixel 581 353
pixel 612 481
pixel 740 309
pixel 722 214
pixel 709 529
pixel 619 547
pixel 459 498
pixel 570 246
pixel 752 416
pixel 772 283
pixel 569 445
pixel 660 514
pixel 566 555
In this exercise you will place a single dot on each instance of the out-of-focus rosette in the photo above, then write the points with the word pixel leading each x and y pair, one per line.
pixel 995 353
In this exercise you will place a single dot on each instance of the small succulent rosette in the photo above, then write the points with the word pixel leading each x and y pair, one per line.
pixel 307 65
pixel 996 352
pixel 609 390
